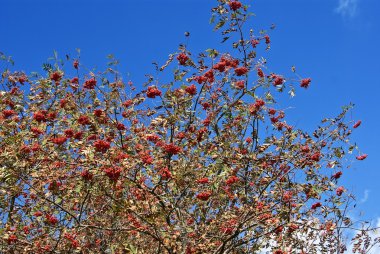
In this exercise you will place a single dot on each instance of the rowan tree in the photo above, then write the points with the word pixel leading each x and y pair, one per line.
pixel 202 163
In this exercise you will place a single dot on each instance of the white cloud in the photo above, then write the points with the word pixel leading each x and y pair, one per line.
pixel 347 8
pixel 366 196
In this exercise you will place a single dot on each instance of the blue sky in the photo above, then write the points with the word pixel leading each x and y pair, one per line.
pixel 333 41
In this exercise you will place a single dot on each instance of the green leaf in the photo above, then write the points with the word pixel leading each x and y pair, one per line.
pixel 269 97
pixel 212 52
pixel 212 19
pixel 47 67
pixel 220 24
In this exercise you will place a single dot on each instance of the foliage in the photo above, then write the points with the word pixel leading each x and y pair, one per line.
pixel 205 163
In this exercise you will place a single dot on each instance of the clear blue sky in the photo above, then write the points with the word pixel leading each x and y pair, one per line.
pixel 336 46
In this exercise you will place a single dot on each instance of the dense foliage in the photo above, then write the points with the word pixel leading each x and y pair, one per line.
pixel 204 163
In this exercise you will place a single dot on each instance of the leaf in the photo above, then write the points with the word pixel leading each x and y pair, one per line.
pixel 133 249
pixel 34 74
pixel 269 97
pixel 212 19
pixel 171 57
pixel 225 39
pixel 338 152
pixel 212 52
pixel 47 67
pixel 220 24
pixel 351 148
pixel 78 188
pixel 251 94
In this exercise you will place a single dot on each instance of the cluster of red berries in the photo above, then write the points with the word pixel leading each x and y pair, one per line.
pixel 152 92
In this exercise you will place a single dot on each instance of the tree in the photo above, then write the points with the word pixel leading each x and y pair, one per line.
pixel 205 163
